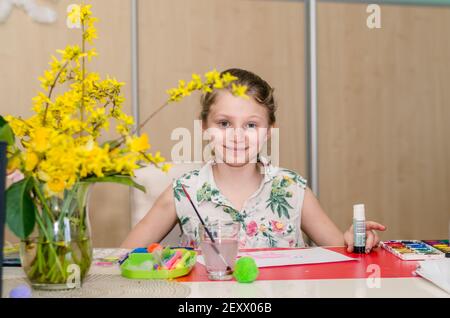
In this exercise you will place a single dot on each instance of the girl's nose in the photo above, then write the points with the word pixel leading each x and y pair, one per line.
pixel 239 135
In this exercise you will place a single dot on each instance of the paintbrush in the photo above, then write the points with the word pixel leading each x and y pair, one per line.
pixel 207 230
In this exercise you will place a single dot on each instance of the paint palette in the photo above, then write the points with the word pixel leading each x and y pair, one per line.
pixel 441 245
pixel 412 250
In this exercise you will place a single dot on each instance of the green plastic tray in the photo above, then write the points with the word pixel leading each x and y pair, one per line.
pixel 135 259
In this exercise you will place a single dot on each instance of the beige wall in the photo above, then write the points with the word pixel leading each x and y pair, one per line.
pixel 384 117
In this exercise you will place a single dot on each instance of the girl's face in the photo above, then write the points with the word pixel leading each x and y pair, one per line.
pixel 238 128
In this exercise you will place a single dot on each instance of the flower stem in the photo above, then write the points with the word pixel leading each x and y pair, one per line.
pixel 51 91
pixel 42 200
pixel 67 202
pixel 122 139
pixel 50 242
pixel 83 71
pixel 151 116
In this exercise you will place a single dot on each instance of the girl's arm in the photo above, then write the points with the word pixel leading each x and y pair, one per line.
pixel 156 224
pixel 319 227
pixel 316 223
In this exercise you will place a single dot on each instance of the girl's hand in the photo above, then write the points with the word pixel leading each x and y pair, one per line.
pixel 372 239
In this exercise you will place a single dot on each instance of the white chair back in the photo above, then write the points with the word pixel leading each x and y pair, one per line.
pixel 155 182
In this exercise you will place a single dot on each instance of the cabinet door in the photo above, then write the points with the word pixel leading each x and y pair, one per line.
pixel 384 116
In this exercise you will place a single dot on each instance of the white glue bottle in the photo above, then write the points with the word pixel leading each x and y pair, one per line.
pixel 359 229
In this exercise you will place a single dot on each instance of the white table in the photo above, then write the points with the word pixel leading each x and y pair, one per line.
pixel 389 287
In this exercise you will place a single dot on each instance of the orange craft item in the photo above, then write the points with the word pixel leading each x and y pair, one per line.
pixel 154 247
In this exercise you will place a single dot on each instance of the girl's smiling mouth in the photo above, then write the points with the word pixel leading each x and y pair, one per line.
pixel 236 148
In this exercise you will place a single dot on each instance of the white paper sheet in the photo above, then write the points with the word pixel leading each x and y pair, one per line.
pixel 314 255
pixel 436 271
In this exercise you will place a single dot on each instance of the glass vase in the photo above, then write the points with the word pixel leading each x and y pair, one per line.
pixel 58 254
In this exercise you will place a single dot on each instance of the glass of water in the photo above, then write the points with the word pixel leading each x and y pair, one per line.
pixel 219 253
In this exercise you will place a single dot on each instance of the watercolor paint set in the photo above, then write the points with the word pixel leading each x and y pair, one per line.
pixel 441 245
pixel 412 250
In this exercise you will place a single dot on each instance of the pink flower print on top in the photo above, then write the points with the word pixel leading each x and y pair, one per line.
pixel 252 228
pixel 277 227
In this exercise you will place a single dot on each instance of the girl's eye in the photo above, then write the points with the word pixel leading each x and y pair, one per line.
pixel 251 125
pixel 224 124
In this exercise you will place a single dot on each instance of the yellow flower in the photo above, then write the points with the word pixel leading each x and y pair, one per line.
pixel 157 158
pixel 71 53
pixel 55 63
pixel 39 101
pixel 42 175
pixel 227 78
pixel 31 160
pixel 90 34
pixel 17 125
pixel 56 185
pixel 122 129
pixel 86 12
pixel 126 164
pixel 126 119
pixel 40 139
pixel 139 144
pixel 47 80
pixel 176 94
pixel 213 80
pixel 218 84
pixel 91 53
pixel 239 90
pixel 92 158
pixel 196 83
pixel 166 167
pixel 206 89
pixel 13 163
pixel 212 76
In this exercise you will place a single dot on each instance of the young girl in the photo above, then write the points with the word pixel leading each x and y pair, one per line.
pixel 272 204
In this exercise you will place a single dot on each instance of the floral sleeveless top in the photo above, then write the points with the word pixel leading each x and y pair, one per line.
pixel 271 217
